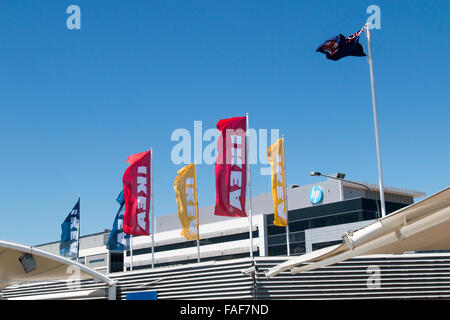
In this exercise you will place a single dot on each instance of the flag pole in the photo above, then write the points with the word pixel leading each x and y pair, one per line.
pixel 198 249
pixel 131 252
pixel 198 218
pixel 247 135
pixel 153 209
pixel 287 211
pixel 375 118
pixel 79 226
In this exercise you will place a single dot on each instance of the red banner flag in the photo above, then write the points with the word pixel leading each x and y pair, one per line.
pixel 230 168
pixel 136 191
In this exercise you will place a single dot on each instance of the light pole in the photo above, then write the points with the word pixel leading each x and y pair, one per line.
pixel 341 176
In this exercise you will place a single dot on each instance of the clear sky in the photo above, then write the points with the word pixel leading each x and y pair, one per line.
pixel 76 103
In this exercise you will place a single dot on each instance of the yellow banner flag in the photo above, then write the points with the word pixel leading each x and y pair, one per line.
pixel 275 155
pixel 185 186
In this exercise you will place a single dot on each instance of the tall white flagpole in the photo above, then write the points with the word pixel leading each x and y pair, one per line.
pixel 198 249
pixel 286 200
pixel 375 118
pixel 249 175
pixel 131 252
pixel 198 213
pixel 79 227
pixel 153 208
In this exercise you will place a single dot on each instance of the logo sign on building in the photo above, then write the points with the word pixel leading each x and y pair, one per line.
pixel 316 195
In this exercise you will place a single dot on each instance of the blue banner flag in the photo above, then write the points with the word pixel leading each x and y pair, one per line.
pixel 118 239
pixel 69 245
pixel 341 46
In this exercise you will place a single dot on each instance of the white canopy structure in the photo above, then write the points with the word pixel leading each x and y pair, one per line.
pixel 39 266
pixel 424 225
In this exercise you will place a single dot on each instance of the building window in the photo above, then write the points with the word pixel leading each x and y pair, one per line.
pixel 298 225
pixel 278 250
pixel 96 260
pixel 320 245
pixel 297 248
pixel 116 262
pixel 296 236
pixel 277 239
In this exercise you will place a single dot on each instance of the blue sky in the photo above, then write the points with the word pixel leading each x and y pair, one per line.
pixel 76 103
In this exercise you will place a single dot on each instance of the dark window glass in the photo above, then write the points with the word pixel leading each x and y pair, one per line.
pixel 278 239
pixel 97 260
pixel 116 262
pixel 298 225
pixel 296 236
pixel 318 223
pixel 369 215
pixel 297 248
pixel 279 250
pixel 320 245
pixel 281 239
pixel 273 230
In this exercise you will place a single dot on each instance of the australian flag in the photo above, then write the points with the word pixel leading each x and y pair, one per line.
pixel 70 233
pixel 118 239
pixel 341 46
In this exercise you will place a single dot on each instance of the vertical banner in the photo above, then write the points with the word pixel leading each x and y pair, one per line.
pixel 231 168
pixel 69 246
pixel 185 186
pixel 118 239
pixel 136 189
pixel 275 155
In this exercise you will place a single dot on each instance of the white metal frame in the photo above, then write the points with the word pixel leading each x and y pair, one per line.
pixel 47 255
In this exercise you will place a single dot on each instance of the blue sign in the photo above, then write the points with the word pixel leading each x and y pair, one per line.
pixel 143 295
pixel 316 195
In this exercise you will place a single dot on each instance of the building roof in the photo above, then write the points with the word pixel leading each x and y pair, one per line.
pixel 375 187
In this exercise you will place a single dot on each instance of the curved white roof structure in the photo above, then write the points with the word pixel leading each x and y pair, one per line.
pixel 48 267
pixel 422 226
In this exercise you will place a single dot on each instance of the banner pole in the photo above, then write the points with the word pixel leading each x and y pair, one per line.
pixel 79 227
pixel 153 209
pixel 287 210
pixel 375 118
pixel 247 135
pixel 131 252
pixel 198 250
pixel 198 214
